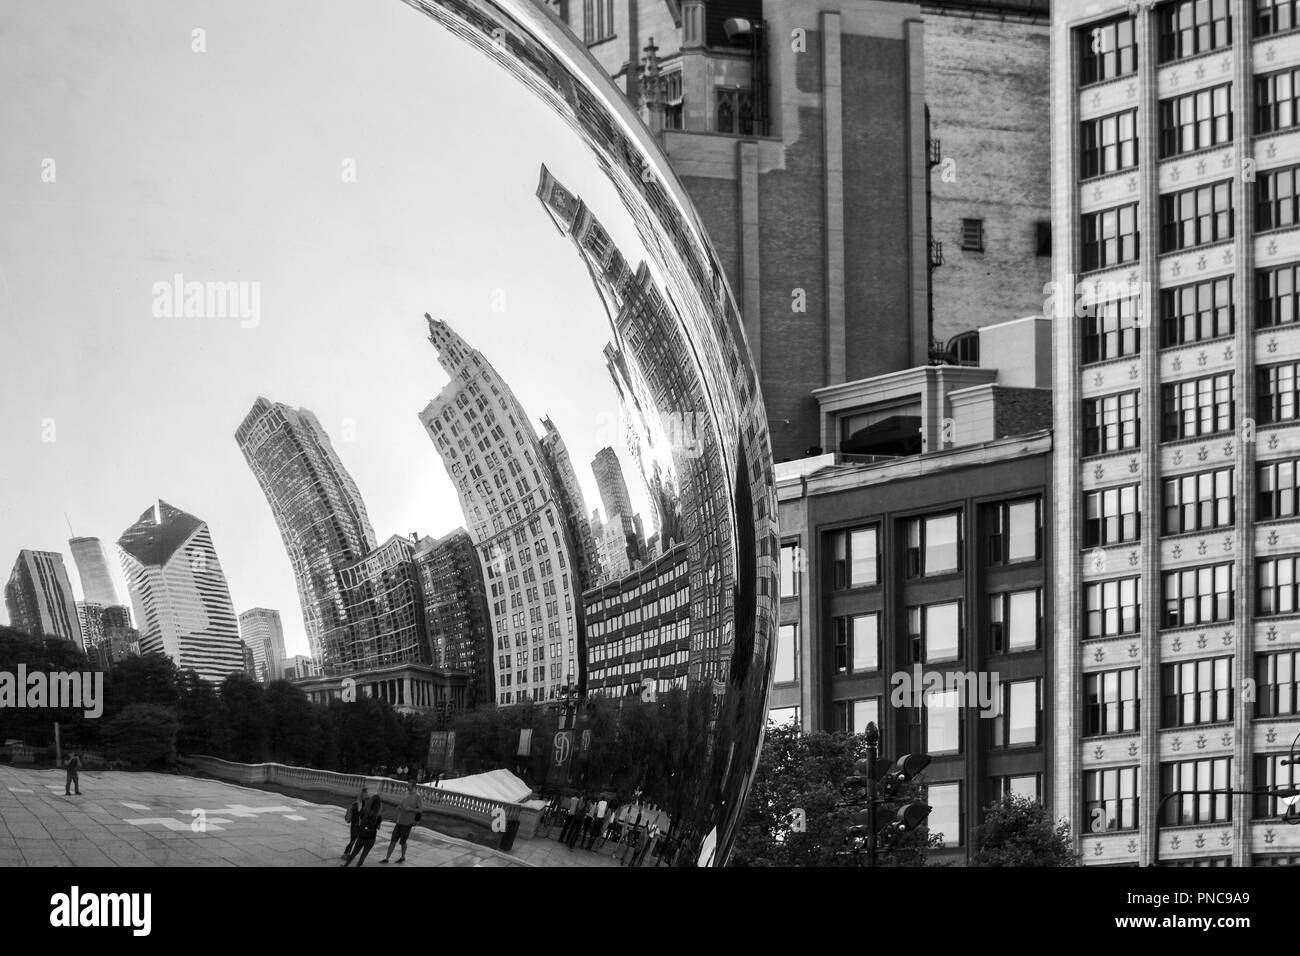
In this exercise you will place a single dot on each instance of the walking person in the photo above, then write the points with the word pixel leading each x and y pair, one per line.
pixel 409 812
pixel 570 817
pixel 353 818
pixel 368 833
pixel 597 821
pixel 74 775
pixel 579 819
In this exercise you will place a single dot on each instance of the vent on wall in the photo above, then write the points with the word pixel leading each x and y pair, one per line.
pixel 972 235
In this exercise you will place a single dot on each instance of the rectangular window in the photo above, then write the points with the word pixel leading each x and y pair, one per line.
pixel 1277 392
pixel 1198 596
pixel 936 629
pixel 1275 101
pixel 782 716
pixel 1275 295
pixel 1110 423
pixel 1015 531
pixel 1112 607
pixel 1192 27
pixel 943 719
pixel 1110 237
pixel 861 634
pixel 735 111
pixel 1195 120
pixel 1110 799
pixel 1274 16
pixel 1272 771
pixel 1199 406
pixel 1197 775
pixel 1019 714
pixel 945 812
pixel 855 559
pixel 1198 502
pixel 1196 216
pixel 1276 588
pixel 1277 680
pixel 787 654
pixel 934 545
pixel 972 235
pixel 1196 312
pixel 1015 621
pixel 1275 198
pixel 1111 516
pixel 1196 692
pixel 852 716
pixel 1277 489
pixel 1027 785
pixel 1107 50
pixel 790 554
pixel 1110 330
pixel 1112 702
pixel 1108 143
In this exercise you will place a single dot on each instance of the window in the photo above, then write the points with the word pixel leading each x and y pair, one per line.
pixel 1275 198
pixel 1276 392
pixel 1192 27
pixel 1199 406
pixel 1026 785
pixel 1196 312
pixel 1195 120
pixel 1196 216
pixel 943 720
pixel 1015 532
pixel 1110 799
pixel 787 654
pixel 1111 516
pixel 1112 607
pixel 1110 423
pixel 1198 596
pixel 1277 489
pixel 1196 692
pixel 1276 588
pixel 790 570
pixel 1277 679
pixel 1275 295
pixel 1019 714
pixel 1110 330
pixel 1042 239
pixel 1275 101
pixel 1107 50
pixel 852 716
pixel 972 235
pixel 1112 702
pixel 1110 237
pixel 945 812
pixel 934 545
pixel 1274 16
pixel 735 111
pixel 781 716
pixel 1015 621
pixel 1201 775
pixel 1198 502
pixel 1109 143
pixel 855 559
pixel 1274 770
pixel 857 643
pixel 935 631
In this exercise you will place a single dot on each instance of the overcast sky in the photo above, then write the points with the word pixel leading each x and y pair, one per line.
pixel 227 166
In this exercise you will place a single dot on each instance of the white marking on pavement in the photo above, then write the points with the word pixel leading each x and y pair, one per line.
pixel 294 816
pixel 177 826
pixel 135 806
pixel 20 790
pixel 239 810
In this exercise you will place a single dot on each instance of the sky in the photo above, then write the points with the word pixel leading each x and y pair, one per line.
pixel 228 165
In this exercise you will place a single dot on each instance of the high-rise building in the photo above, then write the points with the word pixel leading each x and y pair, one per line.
pixel 92 567
pixel 261 631
pixel 384 610
pixel 40 599
pixel 118 638
pixel 300 667
pixel 796 183
pixel 179 593
pixel 317 508
pixel 583 542
pixel 610 483
pixel 1176 361
pixel 456 610
pixel 516 513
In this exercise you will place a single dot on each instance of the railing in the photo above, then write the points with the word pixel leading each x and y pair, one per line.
pixel 484 810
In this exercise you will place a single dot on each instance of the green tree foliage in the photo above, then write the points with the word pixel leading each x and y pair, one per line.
pixel 143 735
pixel 1018 831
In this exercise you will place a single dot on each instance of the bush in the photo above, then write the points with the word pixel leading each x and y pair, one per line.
pixel 143 736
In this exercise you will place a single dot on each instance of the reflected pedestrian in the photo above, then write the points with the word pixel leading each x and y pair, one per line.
pixel 353 817
pixel 409 812
pixel 74 775
pixel 368 833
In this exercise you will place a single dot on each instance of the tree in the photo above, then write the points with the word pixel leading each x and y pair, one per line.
pixel 1017 831
pixel 48 655
pixel 243 707
pixel 200 716
pixel 148 679
pixel 291 723
pixel 143 735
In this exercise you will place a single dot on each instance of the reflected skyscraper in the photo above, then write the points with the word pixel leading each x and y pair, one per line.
pixel 317 507
pixel 456 610
pixel 92 567
pixel 515 510
pixel 384 612
pixel 262 632
pixel 582 539
pixel 609 481
pixel 39 597
pixel 179 593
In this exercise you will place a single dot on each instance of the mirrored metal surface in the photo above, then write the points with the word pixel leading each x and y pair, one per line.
pixel 476 354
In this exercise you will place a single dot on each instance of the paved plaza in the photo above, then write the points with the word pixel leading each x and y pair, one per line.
pixel 156 819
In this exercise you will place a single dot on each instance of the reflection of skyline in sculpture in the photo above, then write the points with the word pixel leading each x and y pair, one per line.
pixel 557 457
pixel 319 511
pixel 383 611
pixel 40 599
pixel 456 611
pixel 92 567
pixel 514 506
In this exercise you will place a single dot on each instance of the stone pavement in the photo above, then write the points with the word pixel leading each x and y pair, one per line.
pixel 150 819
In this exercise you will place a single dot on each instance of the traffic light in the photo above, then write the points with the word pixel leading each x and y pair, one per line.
pixel 913 813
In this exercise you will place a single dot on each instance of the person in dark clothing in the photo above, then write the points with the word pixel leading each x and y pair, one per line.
pixel 368 833
pixel 74 775
pixel 353 818
pixel 579 818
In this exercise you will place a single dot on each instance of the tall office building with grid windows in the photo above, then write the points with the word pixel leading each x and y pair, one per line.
pixel 1176 150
